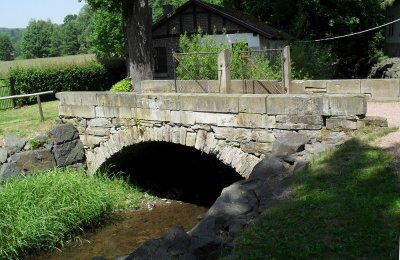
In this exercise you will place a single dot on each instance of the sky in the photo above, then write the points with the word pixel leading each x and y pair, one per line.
pixel 18 13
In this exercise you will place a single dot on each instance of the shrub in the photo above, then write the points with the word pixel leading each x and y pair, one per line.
pixel 124 85
pixel 67 77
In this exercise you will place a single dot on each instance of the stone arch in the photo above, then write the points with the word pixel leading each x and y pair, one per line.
pixel 200 139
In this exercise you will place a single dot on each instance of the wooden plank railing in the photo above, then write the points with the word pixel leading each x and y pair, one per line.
pixel 32 95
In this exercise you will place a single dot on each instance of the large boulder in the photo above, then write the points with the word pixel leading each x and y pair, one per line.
pixel 289 143
pixel 63 133
pixel 36 160
pixel 14 144
pixel 8 170
pixel 3 155
pixel 69 153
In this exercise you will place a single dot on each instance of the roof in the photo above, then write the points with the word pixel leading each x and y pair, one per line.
pixel 249 22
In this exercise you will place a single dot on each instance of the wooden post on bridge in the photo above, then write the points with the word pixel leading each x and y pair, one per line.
pixel 287 71
pixel 224 72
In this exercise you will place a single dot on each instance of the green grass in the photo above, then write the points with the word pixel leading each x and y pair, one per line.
pixel 77 59
pixel 346 206
pixel 25 121
pixel 44 210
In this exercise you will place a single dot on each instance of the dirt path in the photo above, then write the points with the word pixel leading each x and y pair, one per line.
pixel 390 142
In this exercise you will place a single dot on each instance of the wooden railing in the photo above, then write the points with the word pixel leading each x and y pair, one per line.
pixel 31 95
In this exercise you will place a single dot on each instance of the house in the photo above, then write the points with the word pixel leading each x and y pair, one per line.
pixel 211 19
pixel 392 37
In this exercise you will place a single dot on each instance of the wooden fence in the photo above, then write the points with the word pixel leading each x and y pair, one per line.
pixel 5 90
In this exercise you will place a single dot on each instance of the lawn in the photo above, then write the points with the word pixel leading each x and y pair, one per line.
pixel 346 206
pixel 25 121
pixel 73 59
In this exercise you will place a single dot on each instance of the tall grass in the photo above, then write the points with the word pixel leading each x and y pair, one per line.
pixel 346 206
pixel 44 210
pixel 43 62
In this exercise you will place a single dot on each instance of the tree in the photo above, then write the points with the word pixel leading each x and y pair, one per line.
pixel 6 48
pixel 36 39
pixel 137 31
pixel 107 37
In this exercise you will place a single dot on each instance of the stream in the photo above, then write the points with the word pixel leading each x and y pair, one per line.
pixel 128 231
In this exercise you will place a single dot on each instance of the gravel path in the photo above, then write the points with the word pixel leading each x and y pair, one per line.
pixel 390 142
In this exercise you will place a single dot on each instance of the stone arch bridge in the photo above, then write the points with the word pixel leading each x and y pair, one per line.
pixel 239 129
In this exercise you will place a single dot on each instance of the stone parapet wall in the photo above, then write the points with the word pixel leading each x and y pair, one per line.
pixel 238 129
pixel 374 89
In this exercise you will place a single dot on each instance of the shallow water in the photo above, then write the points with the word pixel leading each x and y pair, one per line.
pixel 128 231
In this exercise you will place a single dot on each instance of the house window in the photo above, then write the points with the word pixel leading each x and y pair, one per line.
pixel 160 60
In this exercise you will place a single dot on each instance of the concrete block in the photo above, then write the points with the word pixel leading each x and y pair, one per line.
pixel 81 98
pixel 220 103
pixel 344 105
pixel 76 111
pixel 109 99
pixel 294 105
pixel 381 89
pixel 343 86
pixel 341 123
pixel 303 122
pixel 253 103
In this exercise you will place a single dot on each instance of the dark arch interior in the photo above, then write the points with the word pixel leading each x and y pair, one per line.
pixel 173 171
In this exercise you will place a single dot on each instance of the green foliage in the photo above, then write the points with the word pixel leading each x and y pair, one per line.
pixel 36 40
pixel 347 204
pixel 107 38
pixel 6 48
pixel 34 143
pixel 44 210
pixel 312 61
pixel 69 77
pixel 122 86
pixel 204 66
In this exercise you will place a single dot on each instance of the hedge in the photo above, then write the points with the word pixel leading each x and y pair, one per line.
pixel 90 76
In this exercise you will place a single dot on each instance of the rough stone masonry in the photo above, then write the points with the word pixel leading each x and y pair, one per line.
pixel 239 129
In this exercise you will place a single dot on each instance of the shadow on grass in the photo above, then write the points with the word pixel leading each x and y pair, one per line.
pixel 347 206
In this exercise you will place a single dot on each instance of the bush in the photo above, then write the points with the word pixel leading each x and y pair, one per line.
pixel 124 85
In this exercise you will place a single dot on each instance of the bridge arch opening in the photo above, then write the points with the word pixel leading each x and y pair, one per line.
pixel 173 171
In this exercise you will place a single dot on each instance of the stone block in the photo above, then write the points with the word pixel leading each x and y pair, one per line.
pixel 295 105
pixel 151 114
pixel 344 105
pixel 191 139
pixel 343 86
pixel 298 87
pixel 9 170
pixel 262 136
pixel 109 112
pixel 253 103
pixel 14 144
pixel 91 141
pixel 375 121
pixel 163 101
pixel 303 122
pixel 220 103
pixel 81 98
pixel 201 138
pixel 254 147
pixel 77 111
pixel 341 123
pixel 289 143
pixel 157 86
pixel 98 131
pixel 109 99
pixel 381 89
pixel 99 122
pixel 255 121
pixel 217 119
pixel 233 134
pixel 183 117
pixel 309 86
pixel 182 135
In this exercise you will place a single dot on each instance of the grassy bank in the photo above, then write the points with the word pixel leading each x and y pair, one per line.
pixel 346 206
pixel 25 121
pixel 43 211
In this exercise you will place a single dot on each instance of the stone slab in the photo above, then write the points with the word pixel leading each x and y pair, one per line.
pixel 295 105
pixel 158 102
pixel 76 111
pixel 81 98
pixel 341 124
pixel 36 160
pixel 295 122
pixel 381 89
pixel 344 105
pixel 348 86
pixel 109 99
pixel 253 103
pixel 220 103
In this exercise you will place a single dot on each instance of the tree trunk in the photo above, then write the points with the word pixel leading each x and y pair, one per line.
pixel 137 29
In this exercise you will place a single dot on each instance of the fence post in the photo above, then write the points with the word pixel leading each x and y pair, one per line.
pixel 224 72
pixel 287 72
pixel 12 91
pixel 40 108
